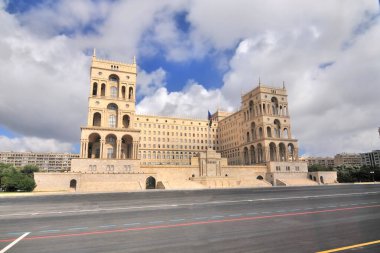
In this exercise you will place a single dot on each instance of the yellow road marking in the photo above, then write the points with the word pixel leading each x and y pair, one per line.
pixel 350 247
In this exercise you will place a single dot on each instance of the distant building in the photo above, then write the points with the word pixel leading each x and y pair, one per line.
pixel 348 159
pixel 371 158
pixel 45 161
pixel 324 161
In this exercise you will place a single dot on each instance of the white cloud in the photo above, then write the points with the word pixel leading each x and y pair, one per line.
pixel 34 144
pixel 148 83
pixel 193 101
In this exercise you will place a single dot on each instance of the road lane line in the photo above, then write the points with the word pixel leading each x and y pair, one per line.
pixel 14 242
pixel 107 226
pixel 200 218
pixel 174 205
pixel 132 224
pixel 78 228
pixel 251 218
pixel 50 231
pixel 350 247
pixel 175 220
pixel 235 215
pixel 156 222
pixel 217 216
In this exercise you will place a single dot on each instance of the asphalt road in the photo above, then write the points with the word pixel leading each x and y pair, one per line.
pixel 279 219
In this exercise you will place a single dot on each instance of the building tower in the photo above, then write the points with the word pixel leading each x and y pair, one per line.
pixel 109 133
pixel 266 127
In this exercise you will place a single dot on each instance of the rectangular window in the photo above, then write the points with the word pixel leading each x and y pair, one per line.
pixel 110 153
pixel 112 121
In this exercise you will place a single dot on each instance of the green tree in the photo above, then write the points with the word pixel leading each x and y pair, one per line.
pixel 12 179
pixel 318 167
pixel 29 169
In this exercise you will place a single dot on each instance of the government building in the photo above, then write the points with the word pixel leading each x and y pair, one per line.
pixel 122 150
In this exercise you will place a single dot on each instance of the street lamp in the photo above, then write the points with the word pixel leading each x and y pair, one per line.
pixel 373 175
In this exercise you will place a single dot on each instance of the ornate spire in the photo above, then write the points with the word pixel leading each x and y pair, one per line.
pixel 134 60
pixel 259 82
pixel 283 85
pixel 94 52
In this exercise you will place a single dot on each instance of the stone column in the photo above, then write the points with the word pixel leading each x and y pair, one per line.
pixel 101 149
pixel 118 149
pixel 85 149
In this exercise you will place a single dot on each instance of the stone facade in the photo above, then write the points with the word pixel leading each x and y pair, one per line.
pixel 248 148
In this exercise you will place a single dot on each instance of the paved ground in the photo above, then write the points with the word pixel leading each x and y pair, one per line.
pixel 294 219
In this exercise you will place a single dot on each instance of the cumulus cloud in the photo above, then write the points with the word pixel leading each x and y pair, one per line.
pixel 148 83
pixel 34 144
pixel 193 101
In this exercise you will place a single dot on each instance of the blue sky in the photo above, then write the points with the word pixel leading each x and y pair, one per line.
pixel 193 56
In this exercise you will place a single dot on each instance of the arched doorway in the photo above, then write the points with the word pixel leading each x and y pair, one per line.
pixel 272 152
pixel 127 147
pixel 93 146
pixel 246 156
pixel 150 183
pixel 260 177
pixel 321 179
pixel 73 184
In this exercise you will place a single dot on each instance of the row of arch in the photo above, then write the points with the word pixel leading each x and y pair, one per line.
pixel 110 147
pixel 256 133
pixel 259 154
pixel 272 108
pixel 115 90
pixel 112 111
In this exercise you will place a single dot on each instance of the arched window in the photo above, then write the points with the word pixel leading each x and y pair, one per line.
pixel 96 121
pixel 260 133
pixel 126 120
pixel 269 132
pixel 252 154
pixel 246 156
pixel 282 151
pixel 123 91
pixel 277 128
pixel 130 96
pixel 291 153
pixel 260 153
pixel 112 107
pixel 251 108
pixel 247 136
pixel 253 130
pixel 274 105
pixel 113 78
pixel 95 89
pixel 285 134
pixel 272 152
pixel 103 90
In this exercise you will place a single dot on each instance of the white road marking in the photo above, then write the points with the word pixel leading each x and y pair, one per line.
pixel 107 226
pixel 50 231
pixel 132 224
pixel 175 220
pixel 217 216
pixel 14 242
pixel 156 222
pixel 79 228
pixel 187 204
pixel 201 218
